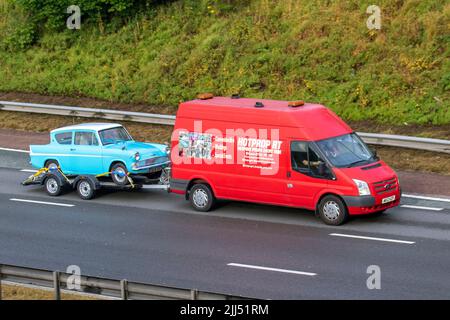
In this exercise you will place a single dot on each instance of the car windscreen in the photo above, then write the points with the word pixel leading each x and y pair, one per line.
pixel 346 151
pixel 114 135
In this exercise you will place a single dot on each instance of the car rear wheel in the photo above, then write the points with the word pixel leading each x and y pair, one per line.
pixel 202 197
pixel 332 211
pixel 119 174
pixel 85 190
pixel 52 165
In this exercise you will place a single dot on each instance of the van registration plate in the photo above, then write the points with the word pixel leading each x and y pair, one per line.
pixel 388 199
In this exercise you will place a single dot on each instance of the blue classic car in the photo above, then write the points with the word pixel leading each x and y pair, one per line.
pixel 97 148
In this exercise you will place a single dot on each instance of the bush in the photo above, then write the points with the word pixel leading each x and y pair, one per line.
pixel 319 51
pixel 21 38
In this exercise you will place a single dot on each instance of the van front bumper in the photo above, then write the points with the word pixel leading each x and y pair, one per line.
pixel 359 205
pixel 359 201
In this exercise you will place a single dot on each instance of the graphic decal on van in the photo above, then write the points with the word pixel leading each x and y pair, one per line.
pixel 254 149
pixel 258 153
pixel 196 145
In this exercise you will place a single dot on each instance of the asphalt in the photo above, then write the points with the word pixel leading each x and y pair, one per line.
pixel 154 237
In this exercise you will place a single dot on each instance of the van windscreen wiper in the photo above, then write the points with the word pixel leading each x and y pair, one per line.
pixel 356 162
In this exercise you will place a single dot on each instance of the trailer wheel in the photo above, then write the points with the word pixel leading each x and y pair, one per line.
pixel 202 197
pixel 119 174
pixel 332 210
pixel 53 186
pixel 85 189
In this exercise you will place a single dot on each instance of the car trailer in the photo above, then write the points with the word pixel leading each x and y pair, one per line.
pixel 56 182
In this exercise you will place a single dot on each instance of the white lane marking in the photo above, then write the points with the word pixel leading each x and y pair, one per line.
pixel 421 208
pixel 425 198
pixel 370 238
pixel 43 202
pixel 15 150
pixel 310 274
pixel 29 170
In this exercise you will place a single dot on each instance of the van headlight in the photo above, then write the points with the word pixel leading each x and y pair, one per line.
pixel 363 187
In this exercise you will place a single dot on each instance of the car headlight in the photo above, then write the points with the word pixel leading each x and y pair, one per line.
pixel 137 156
pixel 363 187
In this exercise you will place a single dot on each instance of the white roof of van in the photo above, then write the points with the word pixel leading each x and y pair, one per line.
pixel 89 126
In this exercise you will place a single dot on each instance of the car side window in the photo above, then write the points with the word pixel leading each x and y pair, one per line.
pixel 64 138
pixel 85 139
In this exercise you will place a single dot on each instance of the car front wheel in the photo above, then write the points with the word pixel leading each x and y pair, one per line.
pixel 332 210
pixel 119 174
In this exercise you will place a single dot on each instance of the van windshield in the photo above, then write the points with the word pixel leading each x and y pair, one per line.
pixel 346 151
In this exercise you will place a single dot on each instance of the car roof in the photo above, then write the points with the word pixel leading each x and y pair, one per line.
pixel 89 126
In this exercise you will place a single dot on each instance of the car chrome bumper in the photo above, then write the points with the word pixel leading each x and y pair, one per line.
pixel 151 166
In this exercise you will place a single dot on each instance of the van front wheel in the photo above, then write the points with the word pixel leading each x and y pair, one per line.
pixel 332 211
pixel 201 197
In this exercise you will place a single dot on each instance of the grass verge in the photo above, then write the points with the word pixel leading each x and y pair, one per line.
pixel 17 292
pixel 318 51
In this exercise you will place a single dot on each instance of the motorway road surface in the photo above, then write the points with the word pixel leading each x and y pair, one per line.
pixel 154 237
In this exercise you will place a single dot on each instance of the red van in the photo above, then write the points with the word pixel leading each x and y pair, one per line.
pixel 280 153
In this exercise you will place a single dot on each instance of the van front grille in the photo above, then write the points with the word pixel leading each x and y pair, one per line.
pixel 385 186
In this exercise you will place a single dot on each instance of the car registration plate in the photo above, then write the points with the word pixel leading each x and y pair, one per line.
pixel 388 199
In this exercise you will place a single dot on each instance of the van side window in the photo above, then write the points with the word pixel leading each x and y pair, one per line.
pixel 64 138
pixel 316 164
pixel 299 156
pixel 306 160
pixel 85 139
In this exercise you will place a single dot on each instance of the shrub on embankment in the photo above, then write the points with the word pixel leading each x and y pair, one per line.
pixel 162 52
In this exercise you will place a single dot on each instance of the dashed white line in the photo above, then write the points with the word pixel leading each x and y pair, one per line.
pixel 43 202
pixel 29 170
pixel 248 266
pixel 370 238
pixel 15 150
pixel 413 196
pixel 421 208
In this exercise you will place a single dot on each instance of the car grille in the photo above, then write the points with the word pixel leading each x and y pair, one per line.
pixel 385 186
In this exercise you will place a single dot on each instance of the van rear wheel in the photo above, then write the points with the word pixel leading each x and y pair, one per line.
pixel 202 197
pixel 332 211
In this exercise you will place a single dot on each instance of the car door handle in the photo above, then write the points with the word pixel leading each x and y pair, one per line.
pixel 73 149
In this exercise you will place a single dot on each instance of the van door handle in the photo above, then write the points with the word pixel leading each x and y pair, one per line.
pixel 288 174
